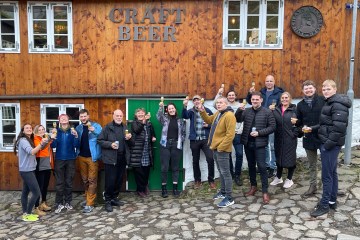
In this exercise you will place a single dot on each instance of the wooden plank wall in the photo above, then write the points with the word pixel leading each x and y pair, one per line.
pixel 196 63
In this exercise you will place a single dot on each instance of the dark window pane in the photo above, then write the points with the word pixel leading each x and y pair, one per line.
pixel 234 22
pixel 7 12
pixel 7 26
pixel 271 22
pixel 52 113
pixel 234 7
pixel 8 112
pixel 8 140
pixel 73 113
pixel 60 27
pixel 61 42
pixel 39 27
pixel 253 7
pixel 40 41
pixel 60 12
pixel 8 41
pixel 233 37
pixel 253 22
pixel 8 126
pixel 252 37
pixel 273 7
pixel 39 12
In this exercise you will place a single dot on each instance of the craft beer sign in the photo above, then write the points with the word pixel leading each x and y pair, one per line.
pixel 132 23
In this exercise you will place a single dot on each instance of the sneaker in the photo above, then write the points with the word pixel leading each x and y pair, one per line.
pixel 88 209
pixel 38 212
pixel 29 218
pixel 212 186
pixel 83 204
pixel 68 206
pixel 219 195
pixel 288 183
pixel 227 201
pixel 319 211
pixel 108 206
pixel 116 202
pixel 333 206
pixel 276 181
pixel 59 208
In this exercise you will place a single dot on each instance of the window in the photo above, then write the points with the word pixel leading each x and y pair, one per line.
pixel 9 27
pixel 10 125
pixel 50 27
pixel 253 24
pixel 50 113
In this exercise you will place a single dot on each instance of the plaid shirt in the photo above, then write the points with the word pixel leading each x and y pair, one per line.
pixel 145 161
pixel 200 131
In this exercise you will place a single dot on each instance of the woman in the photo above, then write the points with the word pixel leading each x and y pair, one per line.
pixel 285 139
pixel 43 169
pixel 141 160
pixel 25 149
pixel 172 138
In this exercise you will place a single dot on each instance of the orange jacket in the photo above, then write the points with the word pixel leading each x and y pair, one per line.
pixel 45 152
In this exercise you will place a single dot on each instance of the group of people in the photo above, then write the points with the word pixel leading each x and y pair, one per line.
pixel 267 131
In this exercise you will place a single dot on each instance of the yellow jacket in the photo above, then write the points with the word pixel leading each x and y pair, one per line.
pixel 224 130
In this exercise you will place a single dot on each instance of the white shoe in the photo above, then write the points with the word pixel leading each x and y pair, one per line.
pixel 276 181
pixel 288 183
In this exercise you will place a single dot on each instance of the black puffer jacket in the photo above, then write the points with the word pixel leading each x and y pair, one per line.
pixel 310 116
pixel 138 142
pixel 264 123
pixel 285 137
pixel 334 120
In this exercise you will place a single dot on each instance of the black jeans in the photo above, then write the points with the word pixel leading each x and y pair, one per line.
pixel 141 177
pixel 113 178
pixel 290 174
pixel 170 155
pixel 256 156
pixel 64 176
pixel 43 178
pixel 30 184
pixel 196 146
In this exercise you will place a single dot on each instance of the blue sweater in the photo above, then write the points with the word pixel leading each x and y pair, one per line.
pixel 65 144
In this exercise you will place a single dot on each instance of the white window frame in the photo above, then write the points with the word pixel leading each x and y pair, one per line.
pixel 50 46
pixel 17 125
pixel 62 110
pixel 16 47
pixel 262 26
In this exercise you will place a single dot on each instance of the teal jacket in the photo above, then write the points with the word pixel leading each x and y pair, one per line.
pixel 95 148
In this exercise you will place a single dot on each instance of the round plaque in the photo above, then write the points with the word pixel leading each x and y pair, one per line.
pixel 306 21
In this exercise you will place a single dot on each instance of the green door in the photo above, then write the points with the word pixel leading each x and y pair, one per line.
pixel 152 106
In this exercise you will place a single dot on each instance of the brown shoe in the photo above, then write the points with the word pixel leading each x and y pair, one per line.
pixel 44 207
pixel 39 212
pixel 251 192
pixel 311 191
pixel 266 198
pixel 212 186
pixel 197 185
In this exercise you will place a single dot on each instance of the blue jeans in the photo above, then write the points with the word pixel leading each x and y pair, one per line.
pixel 329 174
pixel 270 151
pixel 238 154
pixel 222 163
pixel 30 184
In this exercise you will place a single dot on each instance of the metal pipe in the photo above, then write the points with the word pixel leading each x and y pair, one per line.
pixel 350 92
pixel 68 96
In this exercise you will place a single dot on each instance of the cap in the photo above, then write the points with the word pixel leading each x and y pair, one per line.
pixel 196 97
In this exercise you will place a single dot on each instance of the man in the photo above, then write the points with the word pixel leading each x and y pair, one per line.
pixel 66 142
pixel 258 123
pixel 115 155
pixel 199 133
pixel 271 97
pixel 88 154
pixel 308 113
pixel 220 141
pixel 332 131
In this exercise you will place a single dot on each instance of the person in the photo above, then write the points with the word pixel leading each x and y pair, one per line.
pixel 220 141
pixel 271 98
pixel 25 149
pixel 332 131
pixel 141 160
pixel 286 134
pixel 259 123
pixel 239 148
pixel 66 142
pixel 172 138
pixel 198 136
pixel 114 142
pixel 88 154
pixel 308 113
pixel 43 169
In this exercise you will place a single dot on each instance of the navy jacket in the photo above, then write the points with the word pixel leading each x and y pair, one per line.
pixel 275 95
pixel 190 114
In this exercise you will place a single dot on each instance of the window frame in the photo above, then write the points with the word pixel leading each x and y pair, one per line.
pixel 50 33
pixel 17 125
pixel 243 26
pixel 16 48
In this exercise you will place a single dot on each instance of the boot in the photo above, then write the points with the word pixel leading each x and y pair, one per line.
pixel 44 207
pixel 311 191
pixel 39 212
pixel 266 198
pixel 238 180
pixel 175 190
pixel 164 192
pixel 251 192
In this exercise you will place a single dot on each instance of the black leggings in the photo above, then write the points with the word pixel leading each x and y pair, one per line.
pixel 291 171
pixel 43 178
